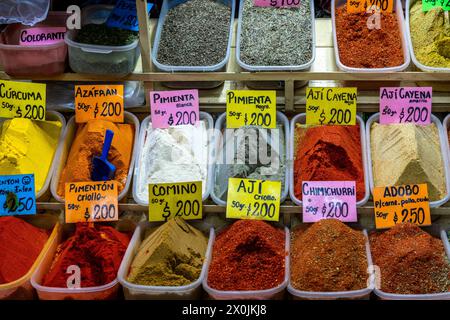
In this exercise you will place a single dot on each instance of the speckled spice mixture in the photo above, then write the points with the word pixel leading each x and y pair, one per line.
pixel 195 33
pixel 410 260
pixel 276 36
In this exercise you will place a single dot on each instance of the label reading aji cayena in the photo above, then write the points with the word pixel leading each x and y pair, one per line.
pixel 17 195
pixel 23 100
pixel 99 102
pixel 336 106
pixel 277 3
pixel 356 6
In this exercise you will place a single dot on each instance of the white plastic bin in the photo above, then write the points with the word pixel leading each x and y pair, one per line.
pixel 141 292
pixel 444 153
pixel 220 126
pixel 204 116
pixel 301 118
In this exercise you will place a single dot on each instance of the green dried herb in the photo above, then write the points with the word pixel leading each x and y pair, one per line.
pixel 100 34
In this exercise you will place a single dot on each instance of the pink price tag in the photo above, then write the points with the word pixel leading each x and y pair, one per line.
pixel 42 36
pixel 276 3
pixel 406 105
pixel 174 108
pixel 329 200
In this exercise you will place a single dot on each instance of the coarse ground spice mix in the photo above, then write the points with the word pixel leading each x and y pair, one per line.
pixel 411 261
pixel 328 256
pixel 248 255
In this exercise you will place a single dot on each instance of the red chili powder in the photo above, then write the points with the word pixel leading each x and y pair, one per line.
pixel 97 250
pixel 360 47
pixel 20 245
pixel 328 153
pixel 410 260
pixel 248 255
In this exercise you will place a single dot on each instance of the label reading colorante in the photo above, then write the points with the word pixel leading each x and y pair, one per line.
pixel 17 195
pixel 170 200
pixel 277 3
pixel 356 6
pixel 253 199
pixel 93 201
pixel 124 15
pixel 23 100
pixel 94 102
pixel 399 204
pixel 42 36
pixel 427 5
pixel 251 108
pixel 336 106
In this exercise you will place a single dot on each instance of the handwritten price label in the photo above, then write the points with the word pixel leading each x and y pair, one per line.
pixel 277 3
pixel 17 195
pixel 23 100
pixel 91 201
pixel 357 6
pixel 329 200
pixel 124 15
pixel 335 106
pixel 399 204
pixel 406 105
pixel 253 199
pixel 427 5
pixel 170 200
pixel 251 108
pixel 174 108
pixel 99 102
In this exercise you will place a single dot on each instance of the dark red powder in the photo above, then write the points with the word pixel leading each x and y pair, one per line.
pixel 248 255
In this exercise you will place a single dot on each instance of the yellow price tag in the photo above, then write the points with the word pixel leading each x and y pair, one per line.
pixel 169 200
pixel 92 201
pixel 23 100
pixel 335 106
pixel 251 108
pixel 253 199
pixel 357 6
pixel 99 102
pixel 399 204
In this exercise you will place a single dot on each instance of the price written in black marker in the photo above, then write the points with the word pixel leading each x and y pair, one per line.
pixel 17 195
pixel 330 209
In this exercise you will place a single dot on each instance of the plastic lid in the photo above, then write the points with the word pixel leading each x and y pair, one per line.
pixel 28 12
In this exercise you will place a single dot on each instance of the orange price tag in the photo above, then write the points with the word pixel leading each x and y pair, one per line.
pixel 91 201
pixel 399 204
pixel 356 6
pixel 99 102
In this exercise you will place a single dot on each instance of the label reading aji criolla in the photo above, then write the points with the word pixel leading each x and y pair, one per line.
pixel 93 102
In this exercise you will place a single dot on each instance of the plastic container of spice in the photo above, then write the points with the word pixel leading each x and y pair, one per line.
pixel 21 289
pixel 140 292
pixel 69 136
pixel 398 9
pixel 204 116
pixel 42 60
pixel 220 128
pixel 98 59
pixel 274 293
pixel 444 152
pixel 220 67
pixel 301 119
pixel 446 124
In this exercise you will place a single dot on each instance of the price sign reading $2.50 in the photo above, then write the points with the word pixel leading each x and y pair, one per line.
pixel 99 102
pixel 17 195
pixel 399 204
pixel 356 6
pixel 253 199
pixel 251 108
pixel 174 108
pixel 427 5
pixel 336 106
pixel 23 100
pixel 277 3
pixel 170 200
pixel 93 201
pixel 406 105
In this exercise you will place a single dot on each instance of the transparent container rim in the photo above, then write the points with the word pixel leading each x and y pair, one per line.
pixel 446 126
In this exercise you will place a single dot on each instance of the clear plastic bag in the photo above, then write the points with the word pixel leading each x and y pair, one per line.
pixel 28 12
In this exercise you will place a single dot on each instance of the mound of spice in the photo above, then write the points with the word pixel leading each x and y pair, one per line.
pixel 100 34
pixel 328 256
pixel 328 153
pixel 248 255
pixel 98 251
pixel 360 47
pixel 411 261
pixel 195 33
pixel 20 245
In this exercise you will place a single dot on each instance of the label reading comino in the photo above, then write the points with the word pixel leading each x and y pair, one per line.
pixel 99 102
pixel 17 195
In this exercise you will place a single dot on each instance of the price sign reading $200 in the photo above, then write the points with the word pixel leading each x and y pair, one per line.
pixel 336 106
pixel 17 195
pixel 356 6
pixel 99 102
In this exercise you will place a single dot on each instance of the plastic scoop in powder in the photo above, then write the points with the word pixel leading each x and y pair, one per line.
pixel 102 169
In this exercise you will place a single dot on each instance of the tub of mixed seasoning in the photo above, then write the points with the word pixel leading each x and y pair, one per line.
pixel 98 49
pixel 401 154
pixel 24 53
pixel 194 36
pixel 328 153
pixel 413 263
pixel 166 261
pixel 275 39
pixel 330 260
pixel 248 261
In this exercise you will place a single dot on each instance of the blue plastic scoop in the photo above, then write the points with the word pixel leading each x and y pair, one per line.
pixel 102 169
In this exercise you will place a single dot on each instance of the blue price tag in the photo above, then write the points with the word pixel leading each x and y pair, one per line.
pixel 17 195
pixel 124 15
